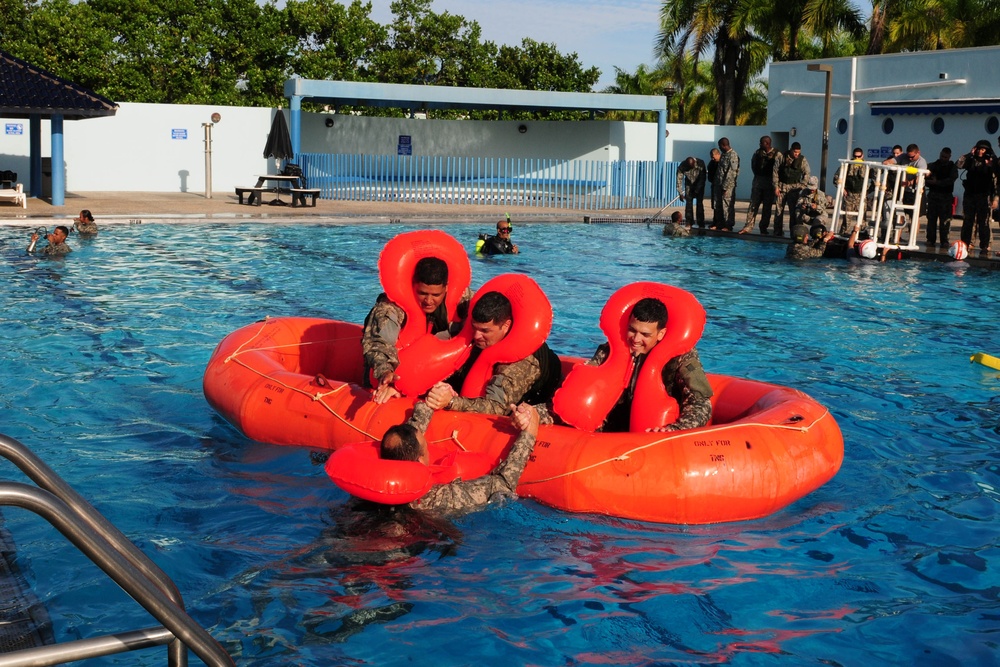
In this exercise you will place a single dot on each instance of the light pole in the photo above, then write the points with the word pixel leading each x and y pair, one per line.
pixel 669 92
pixel 828 69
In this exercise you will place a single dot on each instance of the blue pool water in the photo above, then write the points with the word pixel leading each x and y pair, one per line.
pixel 895 561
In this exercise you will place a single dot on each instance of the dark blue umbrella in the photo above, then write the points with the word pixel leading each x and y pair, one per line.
pixel 279 142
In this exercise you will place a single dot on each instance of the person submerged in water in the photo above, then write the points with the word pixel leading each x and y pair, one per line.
pixel 406 442
pixel 57 243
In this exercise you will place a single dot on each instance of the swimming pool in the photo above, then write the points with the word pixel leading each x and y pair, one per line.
pixel 894 561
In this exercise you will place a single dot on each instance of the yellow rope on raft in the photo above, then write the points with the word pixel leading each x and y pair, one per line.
pixel 679 434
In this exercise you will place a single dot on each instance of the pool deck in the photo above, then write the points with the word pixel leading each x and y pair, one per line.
pixel 129 207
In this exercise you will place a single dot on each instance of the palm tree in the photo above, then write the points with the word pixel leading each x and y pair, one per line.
pixel 642 82
pixel 714 26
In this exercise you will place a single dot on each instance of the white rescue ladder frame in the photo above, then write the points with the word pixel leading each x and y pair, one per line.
pixel 882 212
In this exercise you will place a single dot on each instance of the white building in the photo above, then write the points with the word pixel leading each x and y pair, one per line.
pixel 934 99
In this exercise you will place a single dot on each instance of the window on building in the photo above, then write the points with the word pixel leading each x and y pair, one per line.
pixel 937 125
pixel 842 126
pixel 887 126
pixel 992 124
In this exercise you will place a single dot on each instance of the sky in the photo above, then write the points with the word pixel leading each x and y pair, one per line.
pixel 603 33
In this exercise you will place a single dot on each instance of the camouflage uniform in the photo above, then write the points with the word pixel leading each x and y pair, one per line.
pixel 691 186
pixel 382 327
pixel 511 383
pixel 56 250
pixel 685 380
pixel 762 189
pixel 725 188
pixel 809 250
pixel 86 228
pixel 790 175
pixel 811 208
pixel 676 229
pixel 459 496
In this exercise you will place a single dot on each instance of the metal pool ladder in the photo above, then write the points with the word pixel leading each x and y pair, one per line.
pixel 55 501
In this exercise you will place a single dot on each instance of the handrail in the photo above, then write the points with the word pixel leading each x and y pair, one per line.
pixel 93 534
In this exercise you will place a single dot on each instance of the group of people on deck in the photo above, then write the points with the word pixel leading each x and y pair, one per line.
pixel 522 389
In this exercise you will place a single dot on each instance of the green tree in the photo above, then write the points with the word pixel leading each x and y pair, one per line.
pixel 641 82
pixel 334 41
pixel 540 66
pixel 719 27
pixel 424 47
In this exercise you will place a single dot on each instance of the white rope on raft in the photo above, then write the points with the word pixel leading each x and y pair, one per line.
pixel 318 397
pixel 454 434
pixel 715 429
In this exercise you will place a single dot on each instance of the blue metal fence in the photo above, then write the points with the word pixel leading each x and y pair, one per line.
pixel 575 184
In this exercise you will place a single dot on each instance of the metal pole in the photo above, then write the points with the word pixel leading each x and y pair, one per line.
pixel 828 70
pixel 208 159
pixel 826 129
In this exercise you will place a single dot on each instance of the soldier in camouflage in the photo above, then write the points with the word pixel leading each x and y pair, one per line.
pixel 691 190
pixel 810 209
pixel 725 186
pixel 406 442
pixel 386 320
pixel 790 174
pixel 762 163
pixel 683 376
pixel 533 379
pixel 854 181
pixel 808 243
pixel 57 243
pixel 85 225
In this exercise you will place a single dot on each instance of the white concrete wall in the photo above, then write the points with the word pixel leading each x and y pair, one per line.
pixel 141 149
pixel 160 148
pixel 961 131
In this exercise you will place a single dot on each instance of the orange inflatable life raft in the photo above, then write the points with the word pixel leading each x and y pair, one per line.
pixel 297 381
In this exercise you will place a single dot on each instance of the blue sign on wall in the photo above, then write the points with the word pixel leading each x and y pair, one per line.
pixel 404 147
pixel 13 128
pixel 179 133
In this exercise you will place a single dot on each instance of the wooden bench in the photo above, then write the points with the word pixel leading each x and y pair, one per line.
pixel 16 195
pixel 299 196
pixel 252 194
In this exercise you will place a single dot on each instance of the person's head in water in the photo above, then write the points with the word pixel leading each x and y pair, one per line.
pixel 677 217
pixel 646 325
pixel 492 318
pixel 403 442
pixel 85 216
pixel 430 283
pixel 58 235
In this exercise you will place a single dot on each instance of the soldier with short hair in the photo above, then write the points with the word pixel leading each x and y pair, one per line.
pixel 790 174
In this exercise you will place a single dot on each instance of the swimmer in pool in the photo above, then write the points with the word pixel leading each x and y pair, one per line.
pixel 406 442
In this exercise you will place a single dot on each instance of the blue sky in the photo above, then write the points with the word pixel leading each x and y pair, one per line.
pixel 603 34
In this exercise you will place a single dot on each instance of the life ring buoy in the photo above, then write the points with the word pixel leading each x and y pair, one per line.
pixel 589 393
pixel 358 470
pixel 531 315
pixel 423 358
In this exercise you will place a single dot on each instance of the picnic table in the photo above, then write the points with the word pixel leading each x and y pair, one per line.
pixel 294 188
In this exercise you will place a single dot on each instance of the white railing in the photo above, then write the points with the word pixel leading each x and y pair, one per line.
pixel 573 184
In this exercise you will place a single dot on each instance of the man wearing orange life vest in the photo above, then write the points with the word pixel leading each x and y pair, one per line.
pixel 406 442
pixel 683 376
pixel 385 321
pixel 532 379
